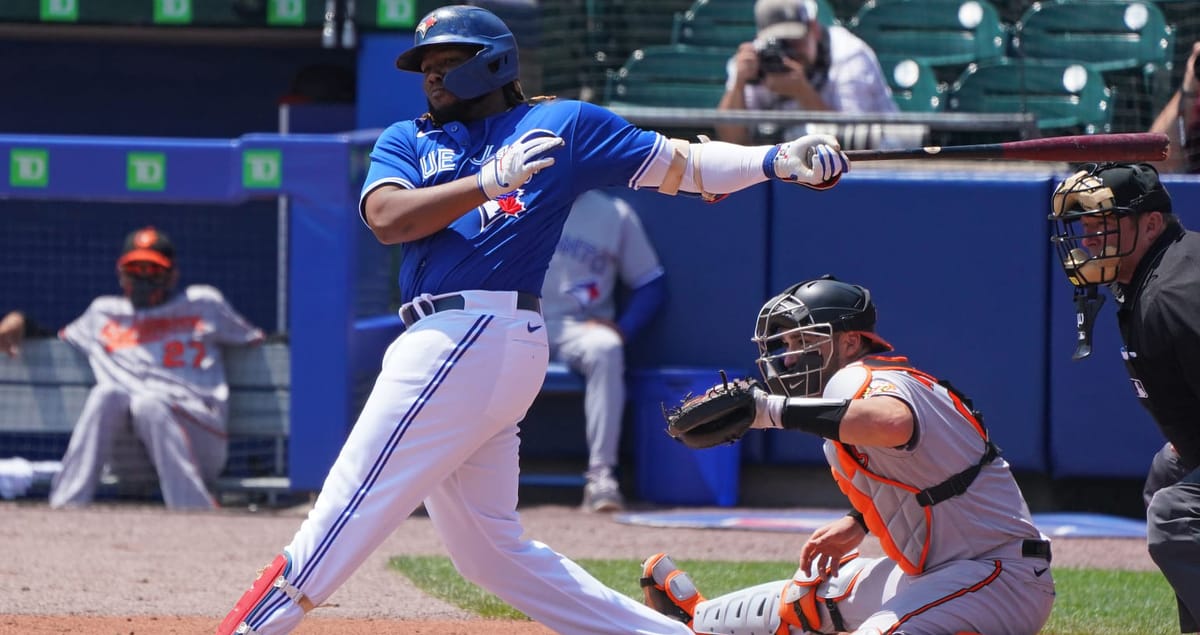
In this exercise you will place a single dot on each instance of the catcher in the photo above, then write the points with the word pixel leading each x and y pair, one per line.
pixel 913 457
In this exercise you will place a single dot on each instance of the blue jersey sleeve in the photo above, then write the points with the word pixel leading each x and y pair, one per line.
pixel 607 150
pixel 393 160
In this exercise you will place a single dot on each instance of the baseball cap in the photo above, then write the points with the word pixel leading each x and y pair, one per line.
pixel 1123 188
pixel 782 19
pixel 1135 186
pixel 148 245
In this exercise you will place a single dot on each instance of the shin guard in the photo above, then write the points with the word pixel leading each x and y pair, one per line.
pixel 669 590
pixel 270 578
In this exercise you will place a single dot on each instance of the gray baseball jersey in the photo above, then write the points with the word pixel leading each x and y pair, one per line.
pixel 602 241
pixel 161 370
pixel 976 576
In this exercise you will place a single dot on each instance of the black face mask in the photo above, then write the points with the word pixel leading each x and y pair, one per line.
pixel 148 292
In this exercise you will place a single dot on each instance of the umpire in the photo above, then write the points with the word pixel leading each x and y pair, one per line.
pixel 1113 224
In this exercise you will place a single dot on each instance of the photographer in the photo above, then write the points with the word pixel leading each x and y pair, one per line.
pixel 796 64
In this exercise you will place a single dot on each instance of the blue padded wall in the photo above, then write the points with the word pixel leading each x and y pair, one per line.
pixel 957 268
pixel 1097 427
pixel 716 261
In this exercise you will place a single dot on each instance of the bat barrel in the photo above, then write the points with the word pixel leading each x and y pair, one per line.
pixel 1124 147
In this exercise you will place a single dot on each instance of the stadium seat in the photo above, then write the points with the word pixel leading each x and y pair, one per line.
pixel 1127 40
pixel 1108 34
pixel 1067 97
pixel 946 34
pixel 673 75
pixel 915 87
pixel 728 23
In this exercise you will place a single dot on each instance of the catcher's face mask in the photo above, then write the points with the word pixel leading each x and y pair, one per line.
pixel 793 356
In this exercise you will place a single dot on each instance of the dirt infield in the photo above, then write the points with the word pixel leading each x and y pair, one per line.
pixel 146 571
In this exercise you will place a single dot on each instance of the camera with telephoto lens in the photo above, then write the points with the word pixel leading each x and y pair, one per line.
pixel 770 57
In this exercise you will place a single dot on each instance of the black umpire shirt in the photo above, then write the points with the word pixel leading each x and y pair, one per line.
pixel 1159 318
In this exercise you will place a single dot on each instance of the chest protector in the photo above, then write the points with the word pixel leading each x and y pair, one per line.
pixel 901 515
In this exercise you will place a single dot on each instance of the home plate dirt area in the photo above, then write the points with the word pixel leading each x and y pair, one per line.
pixel 142 570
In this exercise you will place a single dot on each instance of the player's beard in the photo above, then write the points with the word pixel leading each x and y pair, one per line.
pixel 460 110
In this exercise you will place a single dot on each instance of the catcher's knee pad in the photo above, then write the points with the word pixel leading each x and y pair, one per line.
pixel 669 590
pixel 262 597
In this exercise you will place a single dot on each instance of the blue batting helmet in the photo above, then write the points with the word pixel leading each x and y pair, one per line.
pixel 492 67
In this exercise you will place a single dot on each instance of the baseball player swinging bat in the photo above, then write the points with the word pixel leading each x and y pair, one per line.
pixel 1125 147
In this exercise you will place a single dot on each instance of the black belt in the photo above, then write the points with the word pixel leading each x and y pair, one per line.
pixel 456 302
pixel 1036 549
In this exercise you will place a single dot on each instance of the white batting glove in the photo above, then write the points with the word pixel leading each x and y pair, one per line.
pixel 768 409
pixel 515 163
pixel 814 161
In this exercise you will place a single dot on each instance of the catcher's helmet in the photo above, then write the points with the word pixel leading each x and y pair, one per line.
pixel 494 65
pixel 795 330
pixel 1101 193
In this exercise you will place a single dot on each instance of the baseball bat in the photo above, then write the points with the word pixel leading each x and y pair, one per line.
pixel 1124 147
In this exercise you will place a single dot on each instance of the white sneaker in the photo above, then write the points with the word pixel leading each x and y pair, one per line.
pixel 602 495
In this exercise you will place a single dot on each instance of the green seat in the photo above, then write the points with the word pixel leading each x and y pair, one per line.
pixel 1127 40
pixel 946 34
pixel 914 85
pixel 728 23
pixel 1108 34
pixel 673 75
pixel 1063 95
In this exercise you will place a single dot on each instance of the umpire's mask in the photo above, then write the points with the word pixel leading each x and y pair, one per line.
pixel 1086 213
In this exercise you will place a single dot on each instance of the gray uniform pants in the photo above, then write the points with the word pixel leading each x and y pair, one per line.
pixel 596 352
pixel 186 447
pixel 1173 530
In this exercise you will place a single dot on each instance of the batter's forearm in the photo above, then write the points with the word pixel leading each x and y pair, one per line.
pixel 399 215
pixel 725 167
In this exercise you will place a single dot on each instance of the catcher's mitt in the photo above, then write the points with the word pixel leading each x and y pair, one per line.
pixel 721 415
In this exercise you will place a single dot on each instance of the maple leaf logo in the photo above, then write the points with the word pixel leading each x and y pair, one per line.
pixel 424 26
pixel 511 203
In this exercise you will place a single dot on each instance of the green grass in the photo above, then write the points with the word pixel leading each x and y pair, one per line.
pixel 1090 601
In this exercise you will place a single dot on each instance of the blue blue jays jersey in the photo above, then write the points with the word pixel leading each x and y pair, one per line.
pixel 506 244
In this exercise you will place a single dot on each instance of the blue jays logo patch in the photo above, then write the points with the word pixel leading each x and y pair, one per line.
pixel 507 205
pixel 424 26
pixel 585 293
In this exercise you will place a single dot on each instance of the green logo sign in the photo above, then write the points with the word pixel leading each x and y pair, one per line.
pixel 28 167
pixel 146 171
pixel 60 10
pixel 172 11
pixel 396 14
pixel 262 168
pixel 286 13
